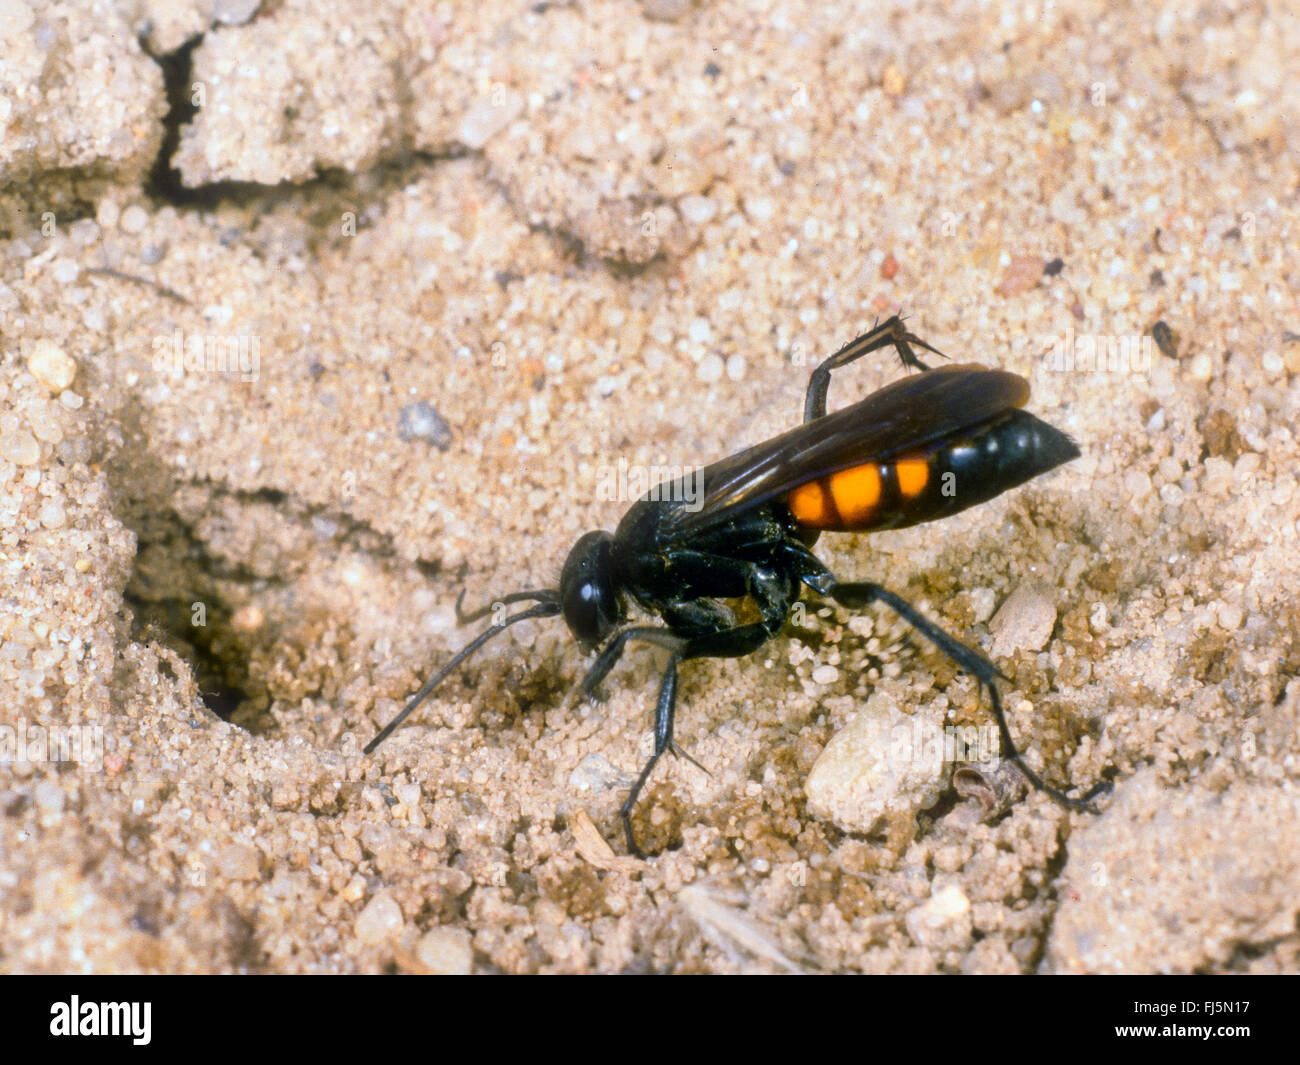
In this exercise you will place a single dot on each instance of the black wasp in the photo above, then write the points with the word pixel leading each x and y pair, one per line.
pixel 921 448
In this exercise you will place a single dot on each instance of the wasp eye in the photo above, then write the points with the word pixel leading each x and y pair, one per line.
pixel 587 593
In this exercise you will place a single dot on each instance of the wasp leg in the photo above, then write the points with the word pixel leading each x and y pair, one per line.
pixel 858 595
pixel 614 651
pixel 698 628
pixel 665 707
pixel 890 332
pixel 725 643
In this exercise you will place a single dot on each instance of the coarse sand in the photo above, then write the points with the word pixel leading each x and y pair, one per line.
pixel 312 317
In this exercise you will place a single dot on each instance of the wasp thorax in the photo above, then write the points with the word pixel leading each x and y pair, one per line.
pixel 587 593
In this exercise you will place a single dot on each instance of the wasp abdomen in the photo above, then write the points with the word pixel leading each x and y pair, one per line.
pixel 950 475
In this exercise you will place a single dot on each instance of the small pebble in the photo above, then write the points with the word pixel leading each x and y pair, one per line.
pixel 51 365
pixel 1023 623
pixel 446 951
pixel 982 603
pixel 1165 339
pixel 247 618
pixel 380 921
pixel 488 116
pixel 1137 484
pixel 759 209
pixel 84 232
pixel 1291 357
pixel 421 421
pixel 15 17
pixel 1021 274
pixel 20 448
pixel 943 921
pixel 710 369
pixel 665 10
pixel 43 419
pixel 1201 368
pixel 108 214
pixel 879 765
pixel 49 797
pixel 825 675
pixel 134 219
pixel 697 210
pixel 234 12
pixel 1230 616
pixel 238 861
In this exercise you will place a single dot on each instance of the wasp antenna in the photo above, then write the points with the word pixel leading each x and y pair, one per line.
pixel 545 595
pixel 549 607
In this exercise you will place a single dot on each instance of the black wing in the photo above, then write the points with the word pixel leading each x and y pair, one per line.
pixel 903 416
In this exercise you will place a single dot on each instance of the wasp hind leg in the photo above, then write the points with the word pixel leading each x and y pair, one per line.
pixel 891 332
pixel 858 595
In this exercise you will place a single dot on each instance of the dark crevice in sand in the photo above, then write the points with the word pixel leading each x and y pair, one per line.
pixel 165 185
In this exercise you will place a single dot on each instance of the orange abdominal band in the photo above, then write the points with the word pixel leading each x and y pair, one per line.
pixel 848 499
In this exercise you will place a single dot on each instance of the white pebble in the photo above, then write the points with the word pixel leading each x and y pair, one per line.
pixel 943 921
pixel 1229 615
pixel 1024 622
pixel 759 209
pixel 880 765
pixel 488 116
pixel 1137 484
pixel 446 951
pixel 697 210
pixel 235 12
pixel 825 675
pixel 20 448
pixel 710 369
pixel 108 214
pixel 84 232
pixel 49 797
pixel 51 365
pixel 380 921
pixel 43 419
pixel 134 219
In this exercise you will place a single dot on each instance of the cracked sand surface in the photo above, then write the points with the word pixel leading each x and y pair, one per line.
pixel 589 235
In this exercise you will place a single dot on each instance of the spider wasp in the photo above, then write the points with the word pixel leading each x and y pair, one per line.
pixel 926 446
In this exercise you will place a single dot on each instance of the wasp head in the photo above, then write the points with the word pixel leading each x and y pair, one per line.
pixel 588 593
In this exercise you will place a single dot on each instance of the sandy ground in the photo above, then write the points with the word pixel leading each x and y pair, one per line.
pixel 465 259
